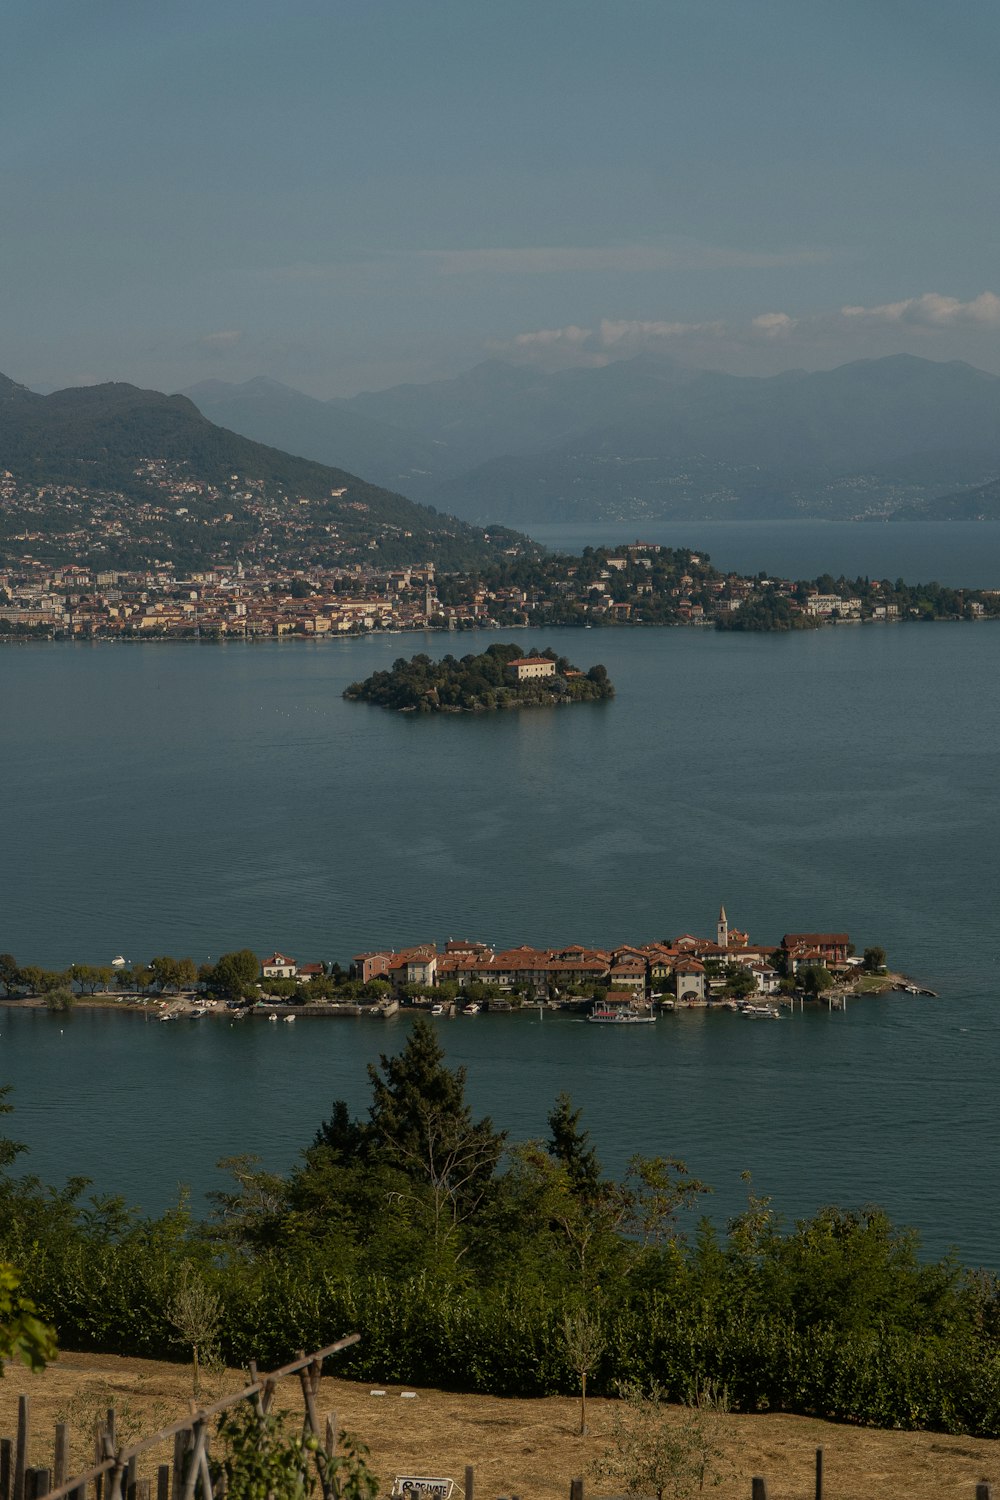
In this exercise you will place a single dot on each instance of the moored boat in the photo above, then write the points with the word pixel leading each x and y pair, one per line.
pixel 617 1016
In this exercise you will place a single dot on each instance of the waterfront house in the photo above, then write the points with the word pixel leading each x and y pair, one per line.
pixel 368 966
pixel 629 973
pixel 310 971
pixel 833 947
pixel 416 965
pixel 689 979
pixel 527 667
pixel 278 966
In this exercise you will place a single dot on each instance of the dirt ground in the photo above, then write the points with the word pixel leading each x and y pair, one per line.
pixel 531 1448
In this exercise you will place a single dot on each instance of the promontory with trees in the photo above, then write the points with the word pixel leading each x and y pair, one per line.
pixel 501 677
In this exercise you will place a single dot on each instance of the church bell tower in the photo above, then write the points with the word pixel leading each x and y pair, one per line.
pixel 723 929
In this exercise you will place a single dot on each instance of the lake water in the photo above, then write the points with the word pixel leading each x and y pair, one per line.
pixel 956 553
pixel 190 799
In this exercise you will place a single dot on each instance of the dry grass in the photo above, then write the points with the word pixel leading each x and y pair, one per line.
pixel 527 1448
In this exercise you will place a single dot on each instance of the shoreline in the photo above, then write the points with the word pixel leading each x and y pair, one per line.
pixel 188 1006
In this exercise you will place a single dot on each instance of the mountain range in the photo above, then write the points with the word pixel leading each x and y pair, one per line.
pixel 100 439
pixel 647 438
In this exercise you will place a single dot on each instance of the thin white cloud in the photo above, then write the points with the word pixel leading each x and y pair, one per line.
pixel 549 338
pixel 932 310
pixel 680 255
pixel 773 325
pixel 614 332
pixel 223 338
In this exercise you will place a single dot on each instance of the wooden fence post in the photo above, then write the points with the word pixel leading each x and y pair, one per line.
pixel 6 1464
pixel 576 1489
pixel 43 1482
pixel 819 1474
pixel 21 1448
pixel 177 1473
pixel 163 1482
pixel 984 1490
pixel 758 1488
pixel 470 1482
pixel 59 1454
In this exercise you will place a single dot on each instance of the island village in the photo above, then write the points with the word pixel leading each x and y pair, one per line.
pixel 623 983
pixel 618 983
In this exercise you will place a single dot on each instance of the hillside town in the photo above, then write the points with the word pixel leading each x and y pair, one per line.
pixel 271 591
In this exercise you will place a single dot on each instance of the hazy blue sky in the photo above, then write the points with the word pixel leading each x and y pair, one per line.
pixel 346 193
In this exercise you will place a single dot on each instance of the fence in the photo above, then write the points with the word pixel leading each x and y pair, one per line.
pixel 115 1472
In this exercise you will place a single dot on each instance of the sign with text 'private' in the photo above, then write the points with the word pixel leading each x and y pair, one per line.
pixel 409 1487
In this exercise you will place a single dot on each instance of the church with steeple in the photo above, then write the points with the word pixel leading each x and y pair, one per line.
pixel 729 937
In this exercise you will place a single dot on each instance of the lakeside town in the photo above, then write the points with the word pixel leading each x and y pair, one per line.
pixel 279 588
pixel 464 976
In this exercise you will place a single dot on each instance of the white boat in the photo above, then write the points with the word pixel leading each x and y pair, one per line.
pixel 167 1015
pixel 437 1010
pixel 768 1012
pixel 599 1016
pixel 472 1010
pixel 272 1016
pixel 118 962
pixel 286 1019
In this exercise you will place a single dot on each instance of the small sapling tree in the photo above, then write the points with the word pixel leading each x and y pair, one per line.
pixel 195 1312
pixel 584 1340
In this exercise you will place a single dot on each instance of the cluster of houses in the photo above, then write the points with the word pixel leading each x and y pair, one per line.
pixel 687 969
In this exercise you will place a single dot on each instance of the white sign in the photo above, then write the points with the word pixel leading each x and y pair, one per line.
pixel 408 1487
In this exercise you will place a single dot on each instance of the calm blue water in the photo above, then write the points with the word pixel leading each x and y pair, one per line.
pixel 191 799
pixel 956 553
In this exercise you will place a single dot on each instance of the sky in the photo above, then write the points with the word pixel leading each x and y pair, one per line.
pixel 345 194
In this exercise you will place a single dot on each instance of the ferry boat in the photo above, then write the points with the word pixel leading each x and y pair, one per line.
pixel 768 1012
pixel 617 1016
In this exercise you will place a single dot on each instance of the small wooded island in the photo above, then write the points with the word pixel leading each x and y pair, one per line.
pixel 500 678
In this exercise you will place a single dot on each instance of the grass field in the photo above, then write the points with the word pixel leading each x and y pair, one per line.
pixel 531 1449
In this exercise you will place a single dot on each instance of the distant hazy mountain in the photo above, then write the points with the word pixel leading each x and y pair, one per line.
pixel 857 440
pixel 499 408
pixel 94 438
pixel 330 432
pixel 979 504
pixel 645 438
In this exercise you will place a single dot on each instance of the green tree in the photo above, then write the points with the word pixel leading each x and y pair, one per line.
pixel 739 981
pixel 62 999
pixel 23 1334
pixel 570 1147
pixel 874 959
pixel 195 1313
pixel 165 972
pixel 10 975
pixel 422 1125
pixel 654 1451
pixel 815 979
pixel 236 975
pixel 585 1343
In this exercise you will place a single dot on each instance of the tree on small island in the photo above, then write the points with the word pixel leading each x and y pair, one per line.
pixel 499 678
